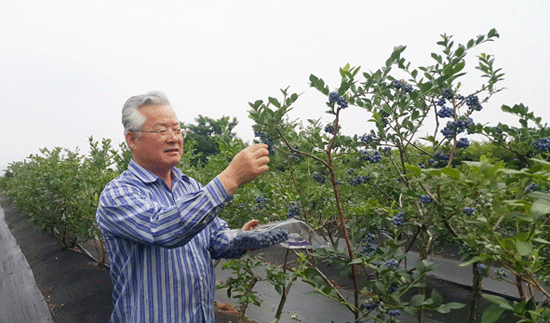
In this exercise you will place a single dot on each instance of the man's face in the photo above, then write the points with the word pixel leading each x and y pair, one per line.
pixel 151 150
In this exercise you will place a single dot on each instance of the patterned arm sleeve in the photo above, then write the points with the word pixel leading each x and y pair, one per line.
pixel 126 211
pixel 219 247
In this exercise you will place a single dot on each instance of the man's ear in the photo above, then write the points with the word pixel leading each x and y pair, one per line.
pixel 131 138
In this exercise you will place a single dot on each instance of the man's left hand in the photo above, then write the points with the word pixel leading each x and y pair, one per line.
pixel 250 225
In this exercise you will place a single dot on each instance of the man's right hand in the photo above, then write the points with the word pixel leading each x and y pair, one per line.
pixel 248 164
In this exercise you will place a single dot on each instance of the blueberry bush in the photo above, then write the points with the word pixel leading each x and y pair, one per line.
pixel 420 197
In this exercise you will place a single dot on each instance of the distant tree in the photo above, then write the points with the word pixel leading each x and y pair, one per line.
pixel 203 133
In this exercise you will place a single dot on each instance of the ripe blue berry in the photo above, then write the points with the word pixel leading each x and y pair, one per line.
pixel 265 139
pixel 463 143
pixel 376 157
pixel 445 112
pixel 370 306
pixel 542 144
pixel 394 312
pixel 408 88
pixel 397 84
pixel 367 139
pixel 473 103
pixel 319 178
pixel 532 187
pixel 393 287
pixel 397 220
pixel 359 180
pixel 391 264
pixel 294 210
pixel 448 94
pixel 334 97
pixel 426 199
pixel 469 211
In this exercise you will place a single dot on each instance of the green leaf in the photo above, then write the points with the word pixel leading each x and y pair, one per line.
pixel 524 248
pixel 454 305
pixel 436 297
pixel 443 309
pixel 473 260
pixel 540 208
pixel 451 172
pixel 417 300
pixel 492 314
pixel 415 170
pixel 498 300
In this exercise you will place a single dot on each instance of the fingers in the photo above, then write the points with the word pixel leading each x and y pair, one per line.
pixel 250 225
pixel 245 167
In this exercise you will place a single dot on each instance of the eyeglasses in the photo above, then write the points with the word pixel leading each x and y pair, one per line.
pixel 164 132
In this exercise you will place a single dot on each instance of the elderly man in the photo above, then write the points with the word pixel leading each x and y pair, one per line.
pixel 160 226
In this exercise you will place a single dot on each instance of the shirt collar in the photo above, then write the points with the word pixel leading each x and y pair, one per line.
pixel 147 176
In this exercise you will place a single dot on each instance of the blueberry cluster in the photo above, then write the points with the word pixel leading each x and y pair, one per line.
pixel 445 112
pixel 370 305
pixel 384 118
pixel 469 211
pixel 440 160
pixel 295 152
pixel 387 150
pixel 473 103
pixel 367 139
pixel 448 94
pixel 334 97
pixel 265 139
pixel 373 159
pixel 463 143
pixel 359 180
pixel 294 210
pixel 401 84
pixel 391 264
pixel 397 84
pixel 260 200
pixel 394 312
pixel 319 178
pixel 393 287
pixel 532 187
pixel 258 239
pixel 441 102
pixel 441 156
pixel 426 199
pixel 367 244
pixel 542 144
pixel 330 128
pixel 398 219
pixel 456 127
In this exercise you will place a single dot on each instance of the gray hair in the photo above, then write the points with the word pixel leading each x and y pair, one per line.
pixel 132 119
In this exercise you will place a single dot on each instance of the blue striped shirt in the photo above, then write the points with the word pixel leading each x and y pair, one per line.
pixel 161 244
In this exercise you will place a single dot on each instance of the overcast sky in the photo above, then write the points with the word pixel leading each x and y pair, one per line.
pixel 67 67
